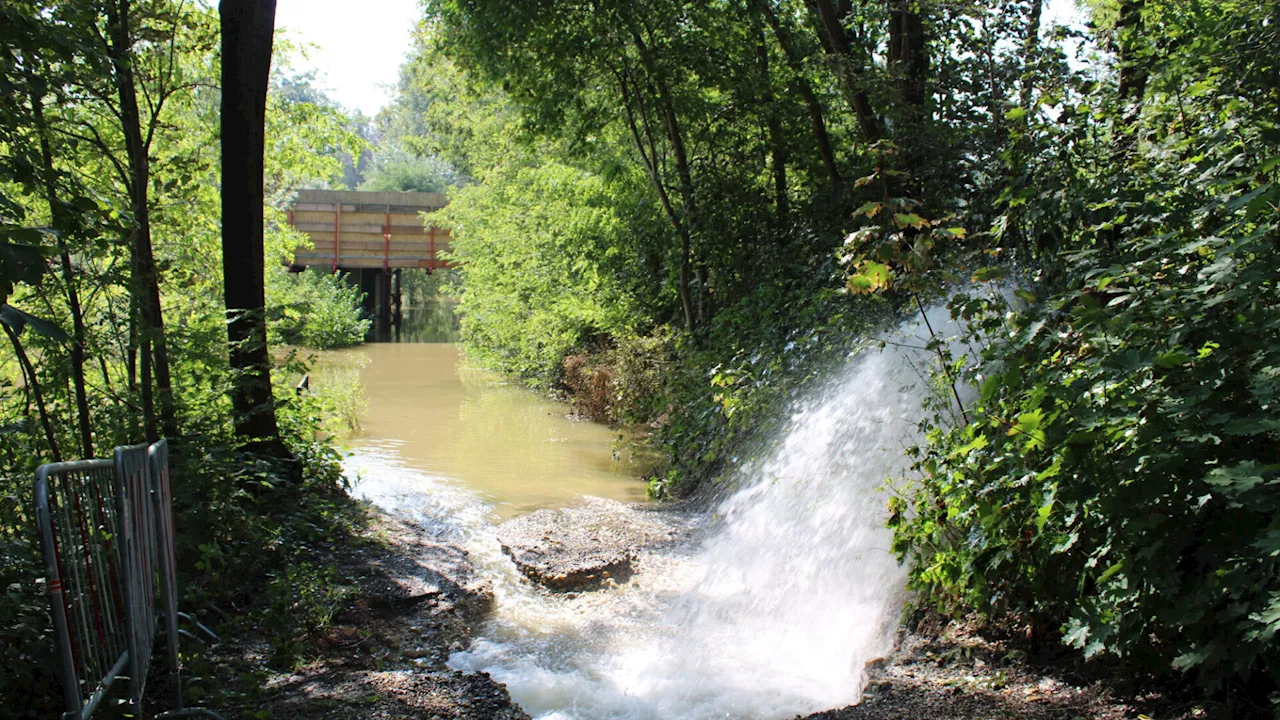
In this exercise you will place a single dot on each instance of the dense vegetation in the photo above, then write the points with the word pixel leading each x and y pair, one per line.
pixel 111 303
pixel 680 212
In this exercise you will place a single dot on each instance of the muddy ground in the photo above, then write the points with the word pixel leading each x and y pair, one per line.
pixel 415 601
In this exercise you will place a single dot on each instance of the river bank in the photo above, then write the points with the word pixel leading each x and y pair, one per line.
pixel 414 601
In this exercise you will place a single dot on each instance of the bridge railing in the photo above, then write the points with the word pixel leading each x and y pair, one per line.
pixel 107 535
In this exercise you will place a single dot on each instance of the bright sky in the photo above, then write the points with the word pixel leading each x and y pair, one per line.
pixel 359 45
pixel 1063 12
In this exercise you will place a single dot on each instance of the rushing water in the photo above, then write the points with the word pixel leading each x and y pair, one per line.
pixel 775 610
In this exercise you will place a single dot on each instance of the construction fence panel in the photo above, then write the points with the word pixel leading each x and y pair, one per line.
pixel 81 528
pixel 107 533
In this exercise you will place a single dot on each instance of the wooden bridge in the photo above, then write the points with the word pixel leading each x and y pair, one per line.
pixel 371 237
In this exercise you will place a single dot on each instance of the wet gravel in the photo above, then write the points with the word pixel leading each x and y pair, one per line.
pixel 952 672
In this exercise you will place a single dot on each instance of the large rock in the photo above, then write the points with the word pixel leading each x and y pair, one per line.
pixel 586 547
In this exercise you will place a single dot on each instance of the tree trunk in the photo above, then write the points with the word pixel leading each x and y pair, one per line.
pixel 909 65
pixel 777 143
pixel 908 57
pixel 1133 74
pixel 1030 51
pixel 812 106
pixel 648 156
pixel 60 224
pixel 146 281
pixel 683 173
pixel 837 45
pixel 33 385
pixel 1022 142
pixel 247 35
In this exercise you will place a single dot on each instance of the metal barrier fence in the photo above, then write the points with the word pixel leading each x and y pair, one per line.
pixel 158 460
pixel 106 527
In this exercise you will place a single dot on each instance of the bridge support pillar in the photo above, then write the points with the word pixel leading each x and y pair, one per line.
pixel 396 304
pixel 382 300
pixel 382 305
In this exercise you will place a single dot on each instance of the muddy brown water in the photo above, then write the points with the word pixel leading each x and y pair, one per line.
pixel 425 407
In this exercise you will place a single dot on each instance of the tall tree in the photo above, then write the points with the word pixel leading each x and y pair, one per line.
pixel 773 120
pixel 1133 62
pixel 146 280
pixel 812 106
pixel 908 54
pixel 908 60
pixel 247 34
pixel 62 225
pixel 43 73
pixel 848 68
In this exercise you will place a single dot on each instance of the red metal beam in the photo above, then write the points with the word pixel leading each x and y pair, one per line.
pixel 337 215
pixel 431 253
pixel 386 241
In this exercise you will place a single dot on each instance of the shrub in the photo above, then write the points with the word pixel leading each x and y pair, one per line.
pixel 314 309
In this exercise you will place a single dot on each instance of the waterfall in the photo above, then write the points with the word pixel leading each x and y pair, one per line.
pixel 779 606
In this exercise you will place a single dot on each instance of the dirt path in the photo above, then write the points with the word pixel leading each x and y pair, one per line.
pixel 417 601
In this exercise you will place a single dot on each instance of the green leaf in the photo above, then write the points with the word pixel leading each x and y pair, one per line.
pixel 1077 634
pixel 1237 480
pixel 20 263
pixel 1046 509
pixel 870 277
pixel 990 273
pixel 1029 425
pixel 1111 572
pixel 1192 658
pixel 1172 358
pixel 910 220
pixel 869 209
pixel 977 443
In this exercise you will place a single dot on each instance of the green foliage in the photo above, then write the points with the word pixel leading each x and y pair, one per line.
pixel 403 173
pixel 314 309
pixel 1120 478
pixel 540 248
pixel 1122 475
pixel 302 599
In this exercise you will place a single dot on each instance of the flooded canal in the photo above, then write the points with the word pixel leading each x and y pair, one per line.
pixel 425 411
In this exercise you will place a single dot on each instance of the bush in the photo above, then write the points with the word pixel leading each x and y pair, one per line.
pixel 314 309
pixel 540 250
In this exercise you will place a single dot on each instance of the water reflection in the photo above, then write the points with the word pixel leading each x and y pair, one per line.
pixel 424 409
pixel 432 322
